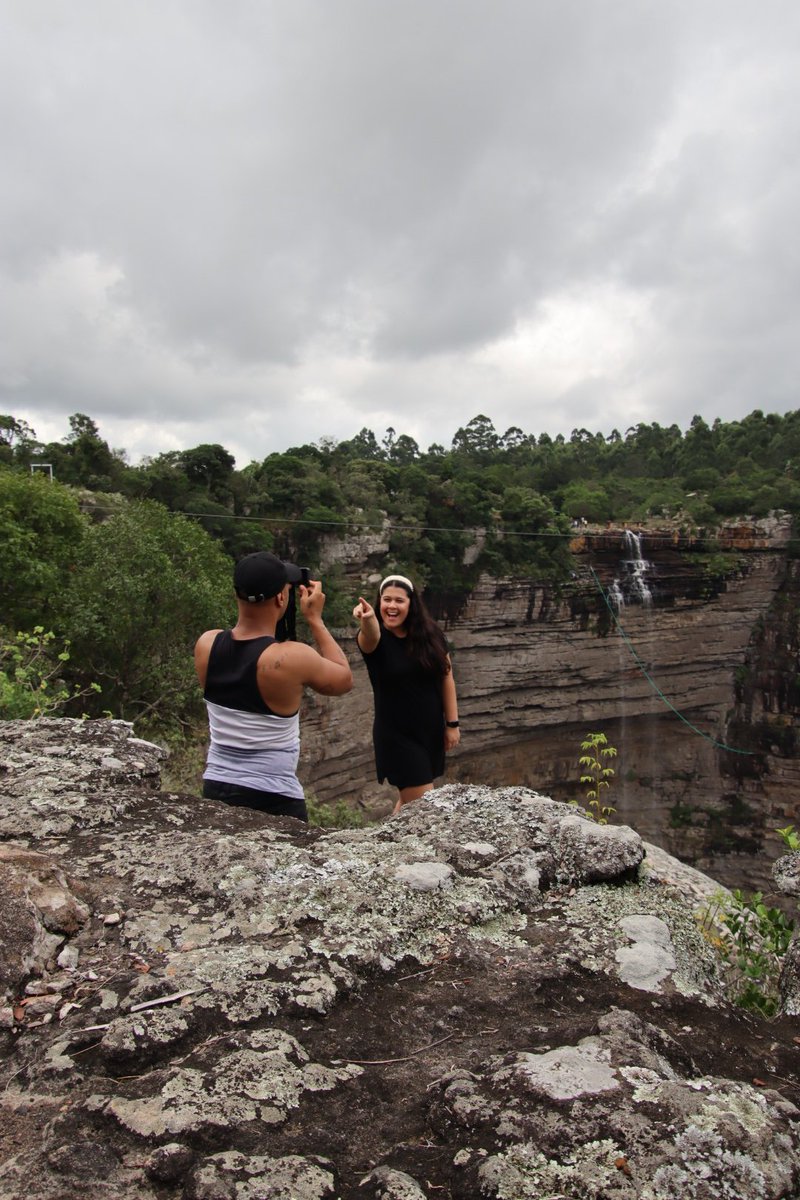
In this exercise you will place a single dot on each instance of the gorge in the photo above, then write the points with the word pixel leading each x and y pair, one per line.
pixel 696 689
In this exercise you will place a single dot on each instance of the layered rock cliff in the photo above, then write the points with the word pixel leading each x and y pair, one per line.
pixel 488 997
pixel 710 662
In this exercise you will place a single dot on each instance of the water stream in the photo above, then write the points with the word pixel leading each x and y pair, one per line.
pixel 632 585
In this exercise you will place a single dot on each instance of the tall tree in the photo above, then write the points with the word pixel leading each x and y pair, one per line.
pixel 210 467
pixel 17 439
pixel 41 529
pixel 147 582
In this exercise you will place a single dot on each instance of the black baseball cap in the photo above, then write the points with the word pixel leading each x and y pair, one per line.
pixel 260 575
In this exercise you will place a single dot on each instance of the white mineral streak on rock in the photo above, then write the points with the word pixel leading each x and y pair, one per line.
pixel 393 1185
pixel 479 849
pixel 569 1071
pixel 424 876
pixel 651 959
pixel 69 958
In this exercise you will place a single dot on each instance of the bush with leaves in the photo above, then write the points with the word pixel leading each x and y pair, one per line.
pixel 147 583
pixel 41 529
pixel 752 938
pixel 333 816
pixel 31 675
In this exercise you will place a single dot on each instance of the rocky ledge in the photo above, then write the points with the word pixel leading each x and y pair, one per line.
pixel 487 996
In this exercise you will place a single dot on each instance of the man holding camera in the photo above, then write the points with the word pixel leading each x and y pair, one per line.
pixel 253 685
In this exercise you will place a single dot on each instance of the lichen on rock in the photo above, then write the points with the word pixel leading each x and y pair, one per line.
pixel 485 996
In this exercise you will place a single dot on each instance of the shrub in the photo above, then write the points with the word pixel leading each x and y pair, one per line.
pixel 31 667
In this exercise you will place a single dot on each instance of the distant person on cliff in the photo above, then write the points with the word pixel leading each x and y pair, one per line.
pixel 416 709
pixel 253 684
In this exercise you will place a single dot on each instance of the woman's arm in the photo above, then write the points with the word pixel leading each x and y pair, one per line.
pixel 452 736
pixel 370 632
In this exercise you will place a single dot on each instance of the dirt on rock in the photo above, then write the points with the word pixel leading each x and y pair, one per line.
pixel 487 997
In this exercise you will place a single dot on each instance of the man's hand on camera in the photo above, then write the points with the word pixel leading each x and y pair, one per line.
pixel 312 600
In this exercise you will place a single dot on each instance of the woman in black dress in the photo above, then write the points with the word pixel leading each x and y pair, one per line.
pixel 416 709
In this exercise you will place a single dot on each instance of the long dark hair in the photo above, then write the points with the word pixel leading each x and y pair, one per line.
pixel 286 628
pixel 424 639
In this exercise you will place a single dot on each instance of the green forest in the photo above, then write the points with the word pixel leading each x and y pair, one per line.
pixel 108 571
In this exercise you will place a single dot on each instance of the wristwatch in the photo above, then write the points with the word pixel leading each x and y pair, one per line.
pixel 451 724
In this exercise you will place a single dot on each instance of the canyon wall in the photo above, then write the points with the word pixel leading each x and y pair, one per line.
pixel 695 688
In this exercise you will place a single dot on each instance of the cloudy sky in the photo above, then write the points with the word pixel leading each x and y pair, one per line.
pixel 263 222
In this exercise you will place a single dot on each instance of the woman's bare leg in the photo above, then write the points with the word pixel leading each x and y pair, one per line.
pixel 411 793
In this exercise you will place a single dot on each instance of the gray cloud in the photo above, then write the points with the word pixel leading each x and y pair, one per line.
pixel 263 223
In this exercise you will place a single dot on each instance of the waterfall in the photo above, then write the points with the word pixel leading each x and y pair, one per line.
pixel 616 596
pixel 632 584
pixel 638 568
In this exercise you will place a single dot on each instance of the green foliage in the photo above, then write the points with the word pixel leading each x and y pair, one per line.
pixel 589 500
pixel 182 770
pixel 31 669
pixel 680 815
pixel 789 837
pixel 339 602
pixel 16 440
pixel 502 504
pixel 596 776
pixel 82 458
pixel 41 530
pixel 752 939
pixel 146 584
pixel 333 816
pixel 209 466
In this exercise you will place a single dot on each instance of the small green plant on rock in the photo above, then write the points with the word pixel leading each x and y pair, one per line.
pixel 752 938
pixel 596 775
pixel 790 837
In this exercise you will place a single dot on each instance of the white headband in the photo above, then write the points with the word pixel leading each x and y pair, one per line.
pixel 396 579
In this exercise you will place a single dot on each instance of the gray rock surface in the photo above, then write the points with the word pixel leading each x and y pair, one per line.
pixel 786 877
pixel 786 874
pixel 486 996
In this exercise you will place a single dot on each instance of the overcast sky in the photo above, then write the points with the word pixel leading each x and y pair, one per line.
pixel 264 222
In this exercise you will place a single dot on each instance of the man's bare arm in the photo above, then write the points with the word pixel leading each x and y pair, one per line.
pixel 331 674
pixel 202 650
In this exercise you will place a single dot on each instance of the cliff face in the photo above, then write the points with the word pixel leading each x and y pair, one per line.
pixel 538 669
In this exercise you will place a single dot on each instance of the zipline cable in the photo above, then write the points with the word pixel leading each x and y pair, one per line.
pixel 651 681
pixel 473 530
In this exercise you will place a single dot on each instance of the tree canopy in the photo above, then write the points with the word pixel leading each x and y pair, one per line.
pixel 132 562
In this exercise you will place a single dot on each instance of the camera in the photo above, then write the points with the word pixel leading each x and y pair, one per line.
pixel 285 630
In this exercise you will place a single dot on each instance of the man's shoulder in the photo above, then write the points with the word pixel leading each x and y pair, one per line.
pixel 286 654
pixel 204 644
pixel 208 637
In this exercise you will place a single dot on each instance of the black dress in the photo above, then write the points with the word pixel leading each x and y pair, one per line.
pixel 408 731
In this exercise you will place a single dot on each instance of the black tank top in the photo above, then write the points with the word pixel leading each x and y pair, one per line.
pixel 231 677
